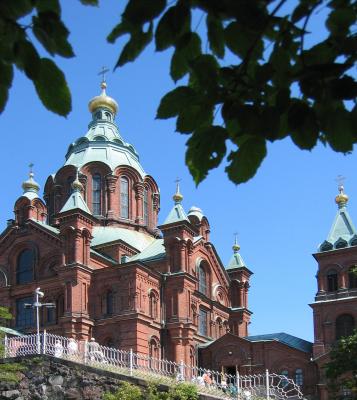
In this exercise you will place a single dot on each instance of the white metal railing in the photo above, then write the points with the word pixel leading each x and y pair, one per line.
pixel 224 386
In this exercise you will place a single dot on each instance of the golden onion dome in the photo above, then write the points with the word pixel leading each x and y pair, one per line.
pixel 236 247
pixel 30 185
pixel 342 198
pixel 103 101
pixel 177 197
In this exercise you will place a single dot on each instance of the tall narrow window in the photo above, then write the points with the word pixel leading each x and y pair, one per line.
pixel 202 322
pixel 299 377
pixel 110 303
pixel 344 326
pixel 24 316
pixel 69 188
pixel 25 266
pixel 124 198
pixel 352 278
pixel 153 305
pixel 97 194
pixel 332 281
pixel 146 207
pixel 202 280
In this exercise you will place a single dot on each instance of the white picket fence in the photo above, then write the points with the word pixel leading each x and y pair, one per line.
pixel 224 386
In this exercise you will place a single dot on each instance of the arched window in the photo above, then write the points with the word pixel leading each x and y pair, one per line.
pixel 202 322
pixel 154 350
pixel 332 281
pixel 97 194
pixel 124 198
pixel 108 117
pixel 219 327
pixel 345 324
pixel 25 266
pixel 202 280
pixel 146 207
pixel 153 303
pixel 299 377
pixel 352 277
pixel 98 115
pixel 110 303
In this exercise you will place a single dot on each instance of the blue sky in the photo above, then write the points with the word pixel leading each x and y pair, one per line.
pixel 281 215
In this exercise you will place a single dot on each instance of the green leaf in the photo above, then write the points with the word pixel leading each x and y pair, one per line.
pixel 137 43
pixel 344 88
pixel 27 58
pixel 90 2
pixel 6 77
pixel 52 34
pixel 215 34
pixel 173 102
pixel 119 30
pixel 187 48
pixel 205 151
pixel 301 11
pixel 339 130
pixel 48 5
pixel 246 160
pixel 205 69
pixel 172 25
pixel 141 11
pixel 194 116
pixel 339 21
pixel 15 9
pixel 303 125
pixel 241 40
pixel 280 60
pixel 52 89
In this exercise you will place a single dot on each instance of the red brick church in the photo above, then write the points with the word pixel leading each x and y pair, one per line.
pixel 94 247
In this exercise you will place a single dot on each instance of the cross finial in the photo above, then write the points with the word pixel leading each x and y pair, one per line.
pixel 340 181
pixel 177 196
pixel 102 72
pixel 31 170
pixel 236 246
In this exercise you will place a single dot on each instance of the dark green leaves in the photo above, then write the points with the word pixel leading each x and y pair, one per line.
pixel 175 22
pixel 6 74
pixel 173 102
pixel 246 160
pixel 52 33
pixel 243 41
pixel 137 43
pixel 302 124
pixel 205 150
pixel 141 11
pixel 52 88
pixel 215 34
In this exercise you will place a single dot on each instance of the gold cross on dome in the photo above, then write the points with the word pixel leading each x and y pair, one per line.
pixel 102 72
pixel 31 166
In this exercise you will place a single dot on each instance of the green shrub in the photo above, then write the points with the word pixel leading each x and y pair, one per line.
pixel 126 391
pixel 9 372
pixel 153 393
pixel 183 391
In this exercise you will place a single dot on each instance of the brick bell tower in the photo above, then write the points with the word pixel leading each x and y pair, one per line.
pixel 335 305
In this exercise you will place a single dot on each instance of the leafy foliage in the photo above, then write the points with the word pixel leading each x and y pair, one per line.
pixel 17 50
pixel 254 100
pixel 126 391
pixel 10 372
pixel 183 391
pixel 341 371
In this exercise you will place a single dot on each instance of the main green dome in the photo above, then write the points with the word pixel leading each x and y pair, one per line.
pixel 103 142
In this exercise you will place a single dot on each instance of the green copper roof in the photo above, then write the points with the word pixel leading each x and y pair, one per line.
pixel 154 251
pixel 74 201
pixel 236 261
pixel 176 214
pixel 285 338
pixel 342 233
pixel 108 234
pixel 103 143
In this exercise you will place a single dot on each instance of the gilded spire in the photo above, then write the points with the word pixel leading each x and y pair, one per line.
pixel 177 197
pixel 236 246
pixel 103 101
pixel 342 198
pixel 30 185
pixel 76 184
